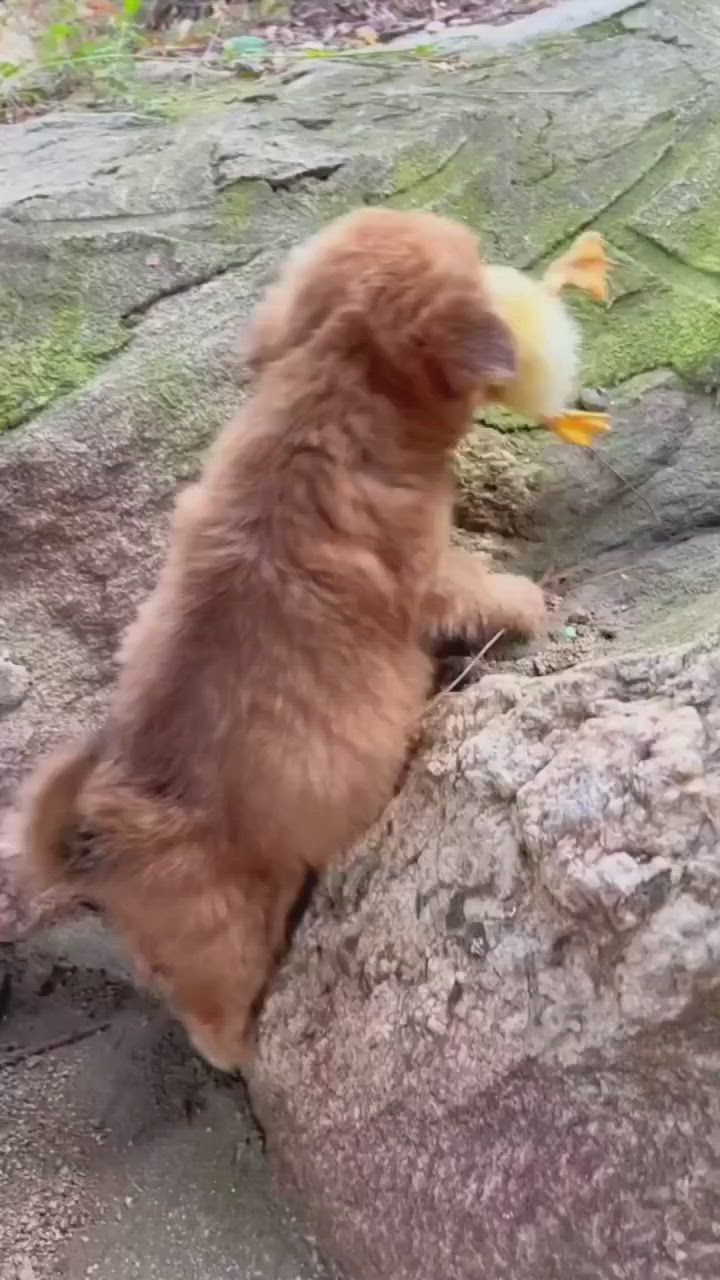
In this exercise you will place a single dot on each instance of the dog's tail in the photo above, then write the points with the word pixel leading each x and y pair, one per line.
pixel 50 816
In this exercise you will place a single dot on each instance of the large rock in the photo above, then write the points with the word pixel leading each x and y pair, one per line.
pixel 132 249
pixel 493 1053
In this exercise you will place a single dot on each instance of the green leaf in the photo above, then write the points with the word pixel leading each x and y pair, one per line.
pixel 59 33
pixel 131 9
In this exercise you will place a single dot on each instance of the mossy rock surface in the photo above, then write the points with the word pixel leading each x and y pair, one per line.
pixel 132 250
pixel 133 247
pixel 103 215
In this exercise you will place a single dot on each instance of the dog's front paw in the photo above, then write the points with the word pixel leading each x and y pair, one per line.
pixel 519 604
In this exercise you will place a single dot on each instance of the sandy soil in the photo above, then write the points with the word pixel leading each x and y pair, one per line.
pixel 121 1155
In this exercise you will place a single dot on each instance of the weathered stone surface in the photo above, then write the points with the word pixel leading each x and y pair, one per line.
pixel 569 15
pixel 102 215
pixel 133 250
pixel 683 216
pixel 498 483
pixel 14 682
pixel 496 1053
pixel 493 1051
pixel 636 529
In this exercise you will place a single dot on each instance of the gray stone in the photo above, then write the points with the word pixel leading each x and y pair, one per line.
pixel 594 400
pixel 632 527
pixel 134 249
pixel 493 1050
pixel 14 684
pixel 181 71
pixel 678 217
pixel 558 20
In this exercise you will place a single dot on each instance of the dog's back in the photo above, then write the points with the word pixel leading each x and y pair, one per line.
pixel 266 695
pixel 278 654
pixel 270 684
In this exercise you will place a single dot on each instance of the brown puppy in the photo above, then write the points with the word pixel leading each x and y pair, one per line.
pixel 271 683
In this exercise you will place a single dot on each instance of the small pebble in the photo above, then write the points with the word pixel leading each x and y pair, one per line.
pixel 594 400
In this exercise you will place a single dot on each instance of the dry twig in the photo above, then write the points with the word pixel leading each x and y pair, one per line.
pixel 469 666
pixel 15 1056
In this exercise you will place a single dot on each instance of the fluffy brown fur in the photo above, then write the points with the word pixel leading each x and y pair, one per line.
pixel 271 683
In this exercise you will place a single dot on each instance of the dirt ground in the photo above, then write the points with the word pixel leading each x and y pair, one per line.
pixel 121 1155
pixel 341 22
pixel 332 20
pixel 185 26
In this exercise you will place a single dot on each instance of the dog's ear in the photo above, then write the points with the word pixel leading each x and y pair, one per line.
pixel 421 333
pixel 288 316
pixel 466 346
pixel 266 337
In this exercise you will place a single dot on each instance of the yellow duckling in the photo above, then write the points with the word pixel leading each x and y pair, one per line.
pixel 548 338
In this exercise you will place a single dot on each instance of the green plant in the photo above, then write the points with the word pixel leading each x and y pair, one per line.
pixel 73 52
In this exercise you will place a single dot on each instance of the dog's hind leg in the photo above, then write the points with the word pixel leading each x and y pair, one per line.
pixel 214 951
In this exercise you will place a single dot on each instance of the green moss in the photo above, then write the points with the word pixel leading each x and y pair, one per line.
pixel 657 327
pixel 521 210
pixel 36 372
pixel 187 101
pixel 683 215
pixel 241 203
pixel 456 185
pixel 457 182
pixel 605 30
pixel 661 316
pixel 657 319
pixel 503 420
pixel 173 390
pixel 446 180
pixel 252 212
pixel 700 246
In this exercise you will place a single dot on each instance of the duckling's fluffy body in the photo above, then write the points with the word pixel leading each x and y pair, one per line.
pixel 547 344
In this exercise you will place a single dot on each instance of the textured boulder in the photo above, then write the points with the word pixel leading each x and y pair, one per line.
pixel 493 1050
pixel 132 248
pixel 493 1053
